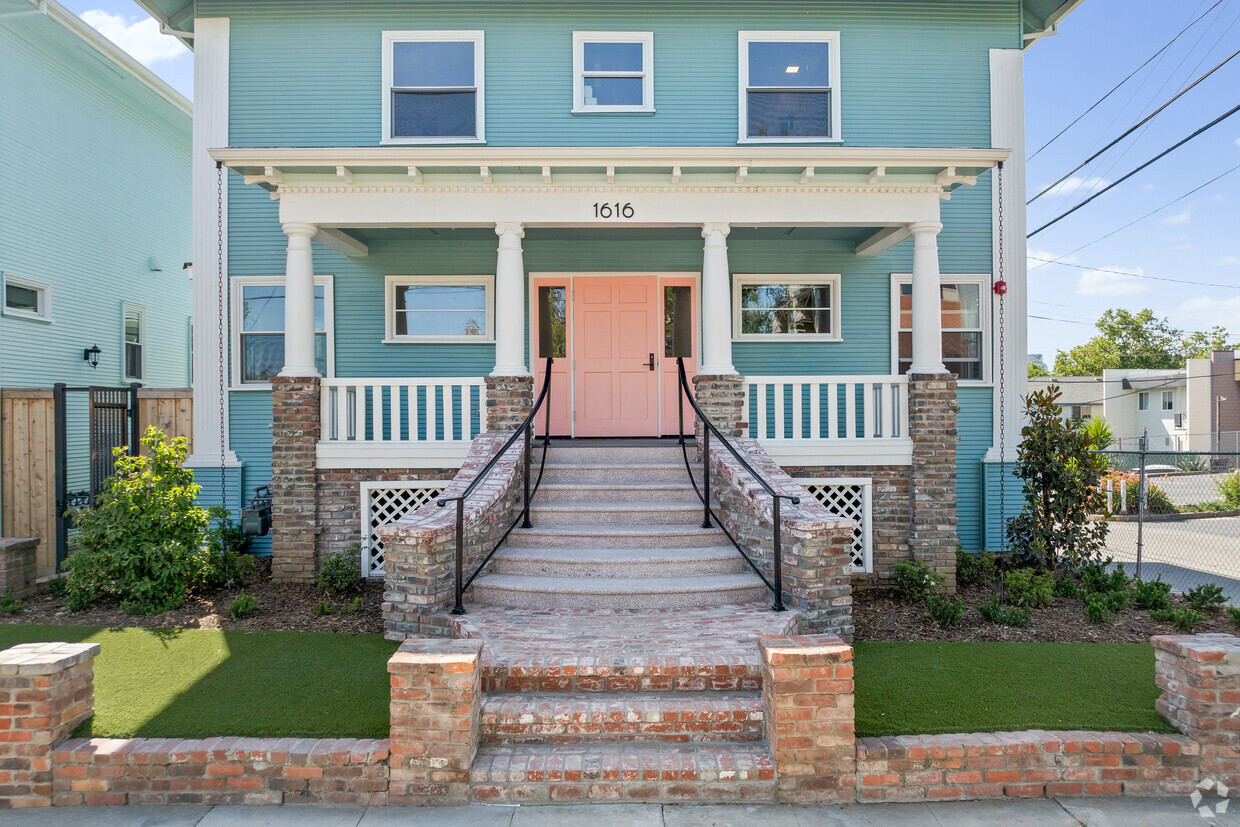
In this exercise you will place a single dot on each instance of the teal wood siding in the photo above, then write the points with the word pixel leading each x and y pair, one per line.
pixel 974 425
pixel 1013 495
pixel 97 182
pixel 913 72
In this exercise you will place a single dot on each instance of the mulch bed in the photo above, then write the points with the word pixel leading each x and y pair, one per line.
pixel 280 606
pixel 881 615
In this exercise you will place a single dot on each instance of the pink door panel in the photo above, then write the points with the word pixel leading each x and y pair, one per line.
pixel 617 323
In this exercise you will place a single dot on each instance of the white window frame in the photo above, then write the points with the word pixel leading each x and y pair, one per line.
pixel 832 280
pixel 390 39
pixel 44 290
pixel 140 312
pixel 986 309
pixel 1168 400
pixel 389 309
pixel 580 39
pixel 833 68
pixel 238 282
pixel 1143 400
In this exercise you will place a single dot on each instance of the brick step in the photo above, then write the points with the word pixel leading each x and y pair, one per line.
pixel 656 773
pixel 649 512
pixel 579 718
pixel 618 491
pixel 596 562
pixel 547 535
pixel 568 469
pixel 616 592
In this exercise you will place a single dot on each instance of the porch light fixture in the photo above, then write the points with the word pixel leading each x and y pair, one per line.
pixel 91 354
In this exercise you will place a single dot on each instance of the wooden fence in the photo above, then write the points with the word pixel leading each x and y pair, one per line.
pixel 28 456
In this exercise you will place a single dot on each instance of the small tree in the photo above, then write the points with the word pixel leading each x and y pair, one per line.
pixel 1055 528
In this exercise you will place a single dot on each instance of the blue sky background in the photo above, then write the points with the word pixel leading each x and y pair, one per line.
pixel 1196 239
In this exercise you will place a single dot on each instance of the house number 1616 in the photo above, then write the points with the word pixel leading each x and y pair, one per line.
pixel 616 210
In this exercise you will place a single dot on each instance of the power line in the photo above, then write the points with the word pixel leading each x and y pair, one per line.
pixel 1135 275
pixel 1131 74
pixel 1128 175
pixel 1134 127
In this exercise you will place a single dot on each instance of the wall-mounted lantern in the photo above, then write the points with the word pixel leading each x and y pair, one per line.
pixel 91 354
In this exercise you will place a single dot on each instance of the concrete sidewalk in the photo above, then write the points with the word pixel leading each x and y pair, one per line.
pixel 1102 812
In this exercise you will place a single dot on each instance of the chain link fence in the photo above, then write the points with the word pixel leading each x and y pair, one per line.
pixel 1176 516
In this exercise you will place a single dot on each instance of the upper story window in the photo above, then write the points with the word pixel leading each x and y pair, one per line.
pixel 440 309
pixel 1143 401
pixel 965 316
pixel 780 307
pixel 789 87
pixel 134 320
pixel 27 298
pixel 258 329
pixel 613 71
pixel 1168 400
pixel 432 87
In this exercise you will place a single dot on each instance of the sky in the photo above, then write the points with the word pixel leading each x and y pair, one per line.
pixel 1193 239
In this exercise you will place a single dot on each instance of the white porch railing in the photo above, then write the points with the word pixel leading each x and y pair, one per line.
pixel 399 418
pixel 821 418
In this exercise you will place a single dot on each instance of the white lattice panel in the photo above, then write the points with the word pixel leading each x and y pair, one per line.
pixel 383 502
pixel 848 498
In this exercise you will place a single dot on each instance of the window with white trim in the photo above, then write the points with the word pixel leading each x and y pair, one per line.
pixel 133 323
pixel 789 87
pixel 27 298
pixel 613 72
pixel 258 329
pixel 965 321
pixel 1168 400
pixel 440 308
pixel 433 87
pixel 803 307
pixel 1143 401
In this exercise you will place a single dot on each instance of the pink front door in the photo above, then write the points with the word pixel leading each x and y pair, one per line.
pixel 617 341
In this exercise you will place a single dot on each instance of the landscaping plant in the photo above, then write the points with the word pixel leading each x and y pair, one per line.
pixel 916 581
pixel 9 604
pixel 945 611
pixel 1098 432
pixel 350 608
pixel 1153 594
pixel 975 569
pixel 1098 608
pixel 339 572
pixel 1098 578
pixel 1235 614
pixel 1056 529
pixel 1157 501
pixel 244 606
pixel 146 544
pixel 1229 487
pixel 996 612
pixel 323 608
pixel 1028 589
pixel 1185 619
pixel 1207 597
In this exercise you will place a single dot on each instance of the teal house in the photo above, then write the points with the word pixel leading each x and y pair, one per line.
pixel 402 210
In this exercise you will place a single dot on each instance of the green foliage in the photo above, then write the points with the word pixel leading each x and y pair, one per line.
pixel 996 612
pixel 1118 600
pixel 945 611
pixel 1097 578
pixel 1153 594
pixel 1035 371
pixel 1028 589
pixel 1229 487
pixel 339 572
pixel 1137 340
pixel 150 544
pixel 1192 462
pixel 1207 597
pixel 1054 529
pixel 9 604
pixel 1098 432
pixel 1098 608
pixel 1067 586
pixel 350 608
pixel 916 581
pixel 1127 484
pixel 244 606
pixel 1235 614
pixel 975 569
pixel 1185 619
pixel 323 608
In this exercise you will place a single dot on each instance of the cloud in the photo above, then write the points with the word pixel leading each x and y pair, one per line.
pixel 1226 261
pixel 1038 259
pixel 141 38
pixel 1106 282
pixel 1184 217
pixel 1207 311
pixel 1084 186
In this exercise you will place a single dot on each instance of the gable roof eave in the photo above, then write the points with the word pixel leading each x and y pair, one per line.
pixel 1040 18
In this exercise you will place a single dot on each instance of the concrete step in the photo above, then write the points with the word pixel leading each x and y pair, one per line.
pixel 615 451
pixel 616 592
pixel 551 535
pixel 673 717
pixel 572 471
pixel 618 491
pixel 609 513
pixel 649 772
pixel 594 562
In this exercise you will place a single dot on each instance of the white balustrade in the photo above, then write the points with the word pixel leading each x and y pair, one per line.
pixel 844 408
pixel 405 412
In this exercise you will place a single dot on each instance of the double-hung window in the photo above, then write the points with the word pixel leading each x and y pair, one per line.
pixel 1168 400
pixel 27 298
pixel 1143 401
pixel 258 328
pixel 134 325
pixel 783 307
pixel 789 87
pixel 965 316
pixel 440 309
pixel 613 71
pixel 433 87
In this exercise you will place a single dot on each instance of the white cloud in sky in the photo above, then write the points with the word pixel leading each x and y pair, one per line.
pixel 1183 217
pixel 1226 261
pixel 1084 186
pixel 1207 311
pixel 1106 282
pixel 141 38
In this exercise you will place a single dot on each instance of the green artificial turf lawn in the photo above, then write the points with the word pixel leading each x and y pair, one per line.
pixel 197 683
pixel 915 688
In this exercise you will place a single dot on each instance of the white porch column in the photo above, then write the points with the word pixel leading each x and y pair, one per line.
pixel 716 303
pixel 299 302
pixel 510 302
pixel 927 304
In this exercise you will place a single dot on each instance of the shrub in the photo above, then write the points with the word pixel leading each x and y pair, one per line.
pixel 1153 594
pixel 1098 608
pixel 1067 586
pixel 1207 597
pixel 1157 501
pixel 1028 589
pixel 350 608
pixel 976 568
pixel 339 572
pixel 1192 462
pixel 1229 487
pixel 1185 619
pixel 996 612
pixel 945 611
pixel 244 606
pixel 1118 601
pixel 58 586
pixel 9 604
pixel 323 608
pixel 1097 578
pixel 1098 432
pixel 1235 614
pixel 1055 528
pixel 916 581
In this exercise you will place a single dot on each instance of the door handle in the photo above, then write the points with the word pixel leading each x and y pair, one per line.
pixel 651 362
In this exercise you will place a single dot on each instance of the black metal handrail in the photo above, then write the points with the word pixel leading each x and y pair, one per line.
pixel 526 427
pixel 708 427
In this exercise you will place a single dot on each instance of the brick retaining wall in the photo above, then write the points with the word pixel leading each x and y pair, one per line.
pixel 19 565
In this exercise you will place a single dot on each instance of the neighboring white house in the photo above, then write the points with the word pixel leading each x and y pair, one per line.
pixel 1080 397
